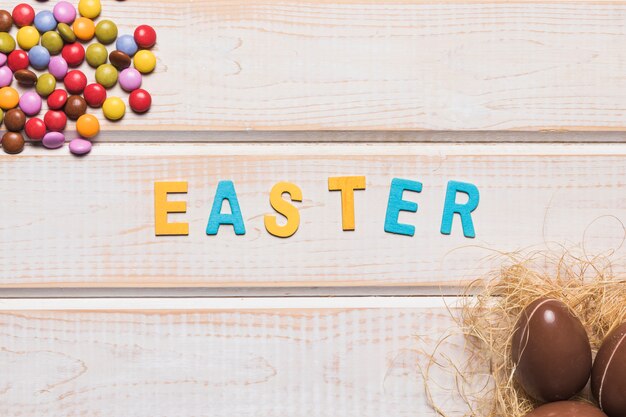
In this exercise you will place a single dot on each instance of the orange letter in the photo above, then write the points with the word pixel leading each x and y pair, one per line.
pixel 283 207
pixel 346 185
pixel 162 207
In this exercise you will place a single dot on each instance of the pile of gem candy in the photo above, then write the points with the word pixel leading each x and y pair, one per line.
pixel 55 46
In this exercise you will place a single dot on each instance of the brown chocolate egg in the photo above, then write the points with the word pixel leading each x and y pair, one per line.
pixel 566 409
pixel 608 377
pixel 551 352
pixel 12 142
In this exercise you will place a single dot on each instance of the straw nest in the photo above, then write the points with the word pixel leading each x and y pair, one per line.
pixel 487 317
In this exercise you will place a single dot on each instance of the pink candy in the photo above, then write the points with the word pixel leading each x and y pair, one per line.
pixel 58 67
pixel 64 12
pixel 53 140
pixel 130 79
pixel 80 146
pixel 3 59
pixel 30 103
pixel 6 76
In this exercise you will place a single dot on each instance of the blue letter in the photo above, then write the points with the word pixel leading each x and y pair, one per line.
pixel 225 191
pixel 464 210
pixel 396 204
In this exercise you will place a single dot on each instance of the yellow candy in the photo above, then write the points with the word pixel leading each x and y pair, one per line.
pixel 9 97
pixel 87 126
pixel 84 28
pixel 113 108
pixel 27 37
pixel 145 61
pixel 89 8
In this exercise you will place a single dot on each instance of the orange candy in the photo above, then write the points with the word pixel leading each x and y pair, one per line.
pixel 9 98
pixel 84 28
pixel 87 126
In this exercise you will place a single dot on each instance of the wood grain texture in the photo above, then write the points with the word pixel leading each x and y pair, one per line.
pixel 367 65
pixel 153 363
pixel 72 222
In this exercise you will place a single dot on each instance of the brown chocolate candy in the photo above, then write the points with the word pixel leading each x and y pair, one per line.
pixel 14 120
pixel 566 409
pixel 12 142
pixel 608 377
pixel 25 77
pixel 119 60
pixel 75 106
pixel 6 21
pixel 551 351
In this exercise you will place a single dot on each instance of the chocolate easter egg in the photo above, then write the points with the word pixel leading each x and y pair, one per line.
pixel 566 409
pixel 608 377
pixel 551 351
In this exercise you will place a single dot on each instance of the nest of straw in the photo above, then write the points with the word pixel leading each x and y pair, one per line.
pixel 487 319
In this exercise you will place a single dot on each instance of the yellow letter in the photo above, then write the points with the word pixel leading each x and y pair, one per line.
pixel 162 207
pixel 346 185
pixel 283 207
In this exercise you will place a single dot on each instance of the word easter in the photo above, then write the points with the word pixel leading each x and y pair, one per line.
pixel 345 185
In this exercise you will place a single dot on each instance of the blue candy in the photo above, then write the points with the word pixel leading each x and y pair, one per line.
pixel 45 21
pixel 126 44
pixel 39 57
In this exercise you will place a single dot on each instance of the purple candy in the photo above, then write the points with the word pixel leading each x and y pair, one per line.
pixel 64 12
pixel 130 79
pixel 6 76
pixel 80 146
pixel 53 140
pixel 57 67
pixel 30 103
pixel 3 59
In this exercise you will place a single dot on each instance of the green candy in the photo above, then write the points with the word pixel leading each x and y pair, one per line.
pixel 106 31
pixel 7 43
pixel 46 84
pixel 66 33
pixel 53 42
pixel 1 116
pixel 106 75
pixel 96 54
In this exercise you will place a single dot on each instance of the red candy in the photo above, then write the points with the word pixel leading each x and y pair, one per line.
pixel 145 36
pixel 57 99
pixel 74 54
pixel 17 60
pixel 95 94
pixel 75 82
pixel 140 101
pixel 35 128
pixel 23 15
pixel 55 120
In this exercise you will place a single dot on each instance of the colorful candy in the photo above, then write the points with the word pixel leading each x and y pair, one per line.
pixel 45 21
pixel 130 79
pixel 46 84
pixel 3 59
pixel 53 42
pixel 106 75
pixel 30 103
pixel 14 120
pixel 126 44
pixel 120 60
pixel 95 94
pixel 140 101
pixel 89 8
pixel 113 108
pixel 75 82
pixel 6 76
pixel 64 12
pixel 39 57
pixel 25 77
pixel 7 43
pixel 74 54
pixel 57 99
pixel 55 120
pixel 6 21
pixel 9 98
pixel 17 60
pixel 27 37
pixel 96 55
pixel 35 128
pixel 75 107
pixel 106 31
pixel 144 61
pixel 84 28
pixel 12 142
pixel 87 125
pixel 80 146
pixel 66 32
pixel 53 140
pixel 145 36
pixel 58 67
pixel 23 15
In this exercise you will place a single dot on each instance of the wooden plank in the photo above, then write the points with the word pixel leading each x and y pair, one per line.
pixel 367 65
pixel 76 222
pixel 217 362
